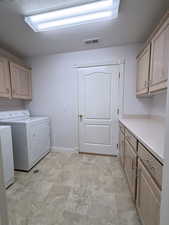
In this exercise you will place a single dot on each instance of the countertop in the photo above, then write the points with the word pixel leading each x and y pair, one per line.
pixel 150 132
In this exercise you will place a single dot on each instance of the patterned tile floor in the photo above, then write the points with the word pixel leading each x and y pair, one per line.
pixel 72 189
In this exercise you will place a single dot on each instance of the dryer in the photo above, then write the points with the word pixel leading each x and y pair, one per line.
pixel 31 137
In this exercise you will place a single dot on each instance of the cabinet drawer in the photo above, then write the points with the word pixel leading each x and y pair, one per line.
pixel 152 164
pixel 131 139
pixel 122 128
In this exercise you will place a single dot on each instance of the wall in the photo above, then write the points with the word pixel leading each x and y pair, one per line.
pixel 10 56
pixel 55 88
pixel 165 191
pixel 158 104
pixel 13 104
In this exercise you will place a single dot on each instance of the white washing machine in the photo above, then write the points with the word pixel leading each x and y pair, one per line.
pixel 7 154
pixel 31 137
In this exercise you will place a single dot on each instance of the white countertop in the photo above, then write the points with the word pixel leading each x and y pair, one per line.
pixel 150 132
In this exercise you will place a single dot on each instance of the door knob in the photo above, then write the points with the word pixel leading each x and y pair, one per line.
pixel 80 116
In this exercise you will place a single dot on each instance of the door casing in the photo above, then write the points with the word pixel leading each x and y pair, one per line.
pixel 121 63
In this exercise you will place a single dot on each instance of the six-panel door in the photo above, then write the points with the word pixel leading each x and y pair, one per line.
pixel 5 86
pixel 20 81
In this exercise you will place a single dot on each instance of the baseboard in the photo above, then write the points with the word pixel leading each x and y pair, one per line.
pixel 63 149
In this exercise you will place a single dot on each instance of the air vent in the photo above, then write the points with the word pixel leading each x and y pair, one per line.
pixel 91 41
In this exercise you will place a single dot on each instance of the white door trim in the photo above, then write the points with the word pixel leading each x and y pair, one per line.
pixel 102 63
pixel 121 62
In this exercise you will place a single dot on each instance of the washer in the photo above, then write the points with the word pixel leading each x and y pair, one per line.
pixel 31 137
pixel 7 154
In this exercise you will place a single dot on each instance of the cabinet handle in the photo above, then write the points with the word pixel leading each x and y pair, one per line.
pixel 132 164
pixel 150 166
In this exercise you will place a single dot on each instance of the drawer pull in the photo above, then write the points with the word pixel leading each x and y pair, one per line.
pixel 150 166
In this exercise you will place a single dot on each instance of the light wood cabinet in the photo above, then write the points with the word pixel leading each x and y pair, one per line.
pixel 130 168
pixel 5 85
pixel 148 197
pixel 121 148
pixel 20 81
pixel 153 61
pixel 154 167
pixel 144 175
pixel 143 69
pixel 160 59
pixel 131 139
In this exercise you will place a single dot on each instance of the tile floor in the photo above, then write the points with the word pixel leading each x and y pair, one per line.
pixel 72 189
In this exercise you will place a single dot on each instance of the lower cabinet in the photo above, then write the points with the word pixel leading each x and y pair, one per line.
pixel 148 197
pixel 144 176
pixel 130 168
pixel 121 148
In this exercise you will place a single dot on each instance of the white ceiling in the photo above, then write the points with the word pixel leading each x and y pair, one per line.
pixel 136 20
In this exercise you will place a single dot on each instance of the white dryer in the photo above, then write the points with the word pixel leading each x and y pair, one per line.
pixel 31 137
pixel 7 154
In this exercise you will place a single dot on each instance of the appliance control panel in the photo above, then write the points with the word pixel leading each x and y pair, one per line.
pixel 14 114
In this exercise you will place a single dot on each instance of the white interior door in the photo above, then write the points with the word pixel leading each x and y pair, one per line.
pixel 98 109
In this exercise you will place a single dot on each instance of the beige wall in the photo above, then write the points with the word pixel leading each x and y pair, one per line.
pixel 55 89
pixel 165 192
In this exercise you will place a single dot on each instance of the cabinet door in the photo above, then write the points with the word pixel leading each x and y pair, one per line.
pixel 21 82
pixel 143 69
pixel 160 59
pixel 5 86
pixel 130 168
pixel 148 197
pixel 121 148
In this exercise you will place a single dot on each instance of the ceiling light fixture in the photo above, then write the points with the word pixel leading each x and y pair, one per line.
pixel 74 15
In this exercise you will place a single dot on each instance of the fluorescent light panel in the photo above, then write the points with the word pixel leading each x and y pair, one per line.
pixel 74 15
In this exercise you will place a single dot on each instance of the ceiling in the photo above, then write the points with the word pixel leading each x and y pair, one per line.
pixel 136 20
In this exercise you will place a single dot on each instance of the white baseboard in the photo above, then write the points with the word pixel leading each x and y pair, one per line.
pixel 63 149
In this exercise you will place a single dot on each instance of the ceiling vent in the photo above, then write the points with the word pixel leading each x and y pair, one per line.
pixel 91 41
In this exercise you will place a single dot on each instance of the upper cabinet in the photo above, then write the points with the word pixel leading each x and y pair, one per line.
pixel 153 61
pixel 5 87
pixel 15 80
pixel 143 66
pixel 20 82
pixel 160 59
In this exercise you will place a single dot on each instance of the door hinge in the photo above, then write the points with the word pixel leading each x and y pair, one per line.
pixel 117 146
pixel 119 75
pixel 118 111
